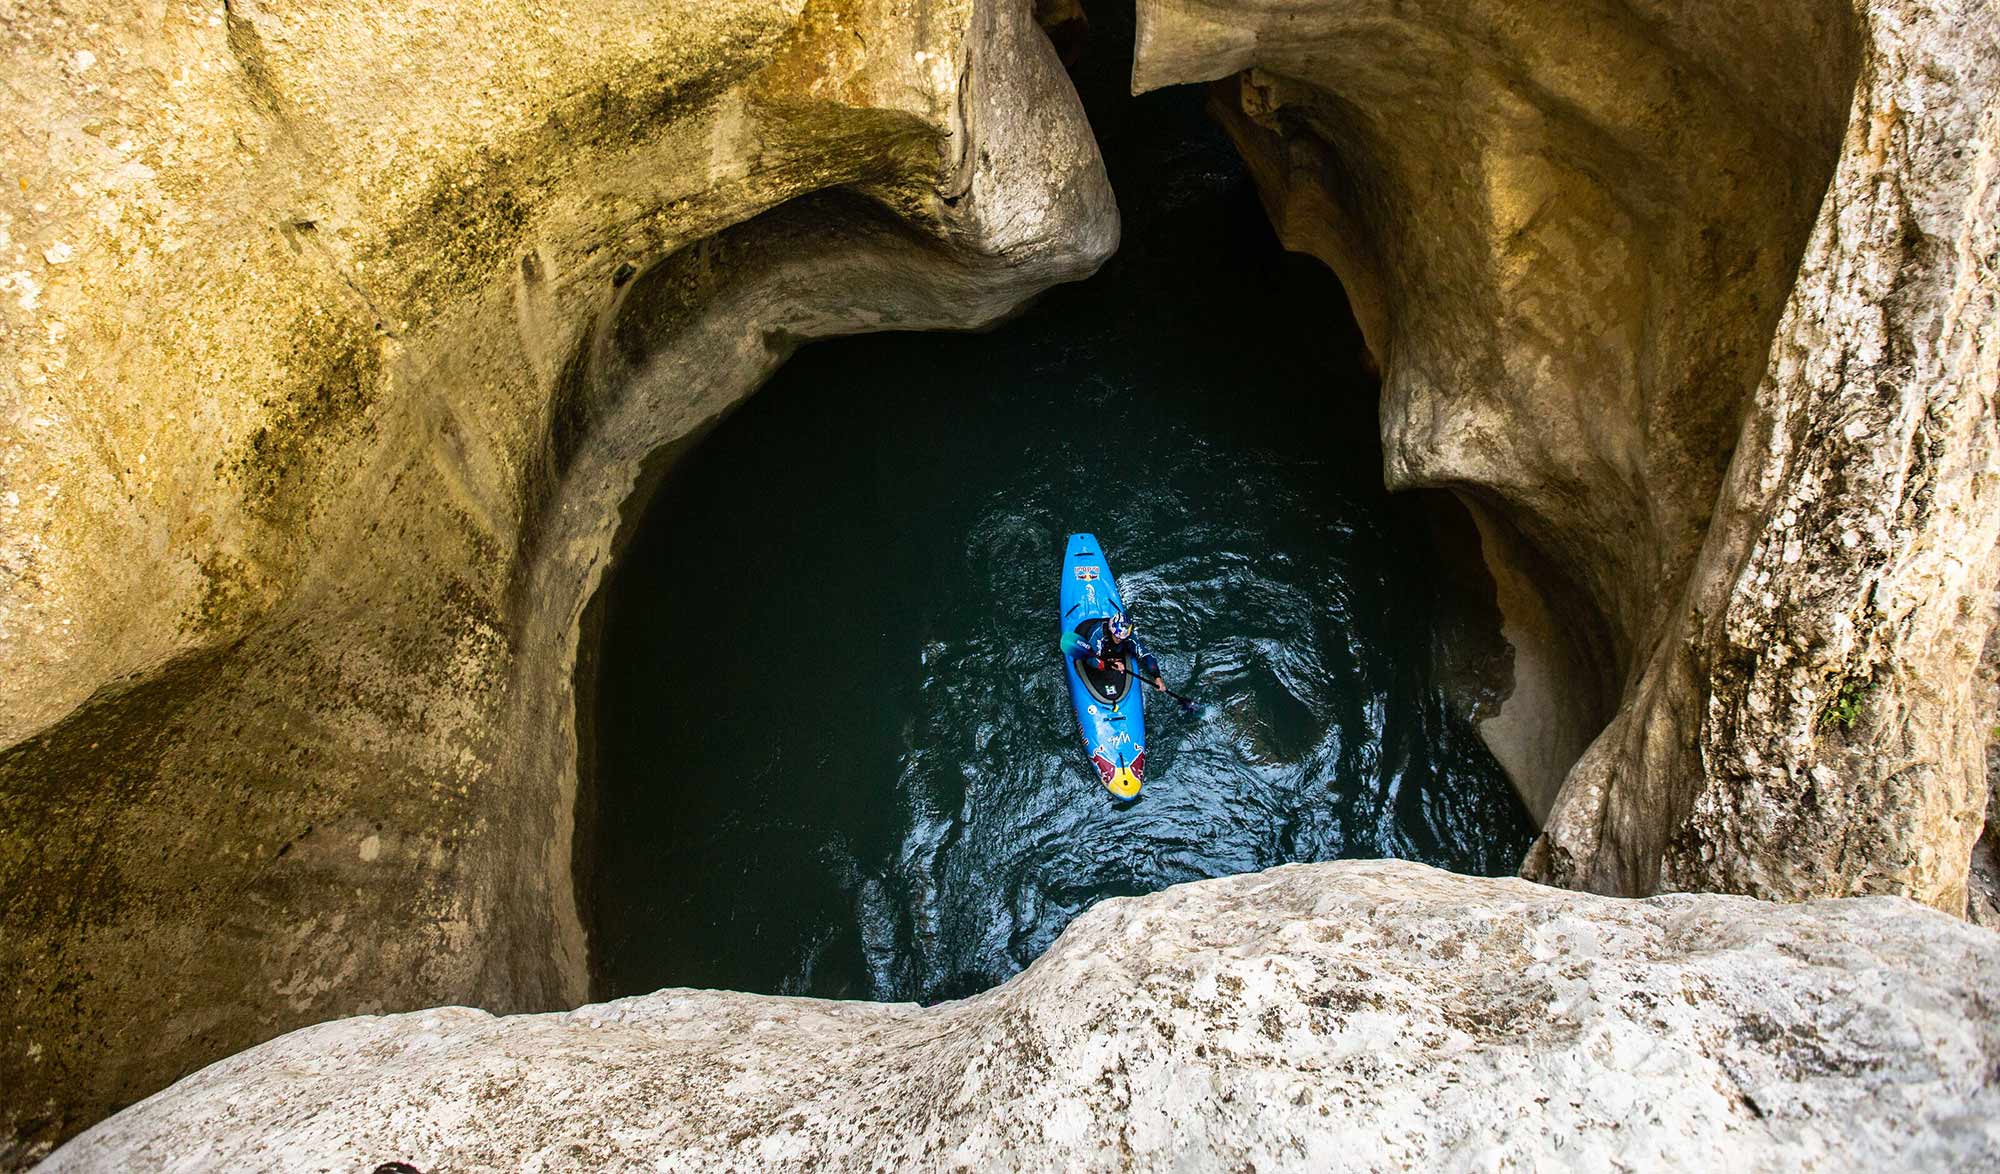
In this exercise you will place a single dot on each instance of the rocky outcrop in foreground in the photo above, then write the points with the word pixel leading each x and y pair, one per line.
pixel 1361 1015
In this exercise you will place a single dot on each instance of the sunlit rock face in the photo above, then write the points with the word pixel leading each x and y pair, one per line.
pixel 1695 308
pixel 1352 1016
pixel 338 336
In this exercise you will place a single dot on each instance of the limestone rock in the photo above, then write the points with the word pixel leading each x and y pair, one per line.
pixel 1354 1016
pixel 338 337
pixel 1695 308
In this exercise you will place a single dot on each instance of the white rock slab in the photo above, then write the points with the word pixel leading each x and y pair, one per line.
pixel 1359 1015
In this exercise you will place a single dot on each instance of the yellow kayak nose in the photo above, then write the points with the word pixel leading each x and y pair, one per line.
pixel 1123 783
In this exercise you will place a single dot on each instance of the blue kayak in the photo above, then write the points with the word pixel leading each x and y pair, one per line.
pixel 1109 711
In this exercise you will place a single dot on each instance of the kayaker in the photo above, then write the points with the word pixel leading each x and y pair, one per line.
pixel 1114 642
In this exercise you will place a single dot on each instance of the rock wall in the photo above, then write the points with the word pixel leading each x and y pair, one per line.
pixel 1353 1016
pixel 339 335
pixel 1695 307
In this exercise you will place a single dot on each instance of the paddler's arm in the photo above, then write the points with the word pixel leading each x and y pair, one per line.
pixel 1150 663
pixel 1090 649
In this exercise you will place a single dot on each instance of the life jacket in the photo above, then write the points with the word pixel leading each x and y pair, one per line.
pixel 1100 646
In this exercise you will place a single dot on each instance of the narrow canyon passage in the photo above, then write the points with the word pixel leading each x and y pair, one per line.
pixel 833 755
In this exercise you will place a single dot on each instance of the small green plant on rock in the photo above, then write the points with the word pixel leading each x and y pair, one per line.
pixel 1845 708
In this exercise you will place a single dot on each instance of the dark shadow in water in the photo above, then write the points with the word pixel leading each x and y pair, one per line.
pixel 834 756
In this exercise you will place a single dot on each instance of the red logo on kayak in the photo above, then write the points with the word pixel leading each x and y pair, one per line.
pixel 1104 768
pixel 1139 766
pixel 1087 574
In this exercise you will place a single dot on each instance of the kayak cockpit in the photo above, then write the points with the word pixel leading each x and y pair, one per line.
pixel 1108 685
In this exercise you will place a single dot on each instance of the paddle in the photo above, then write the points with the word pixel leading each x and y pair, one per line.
pixel 1069 642
pixel 1187 704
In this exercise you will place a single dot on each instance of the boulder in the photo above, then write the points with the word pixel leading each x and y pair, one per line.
pixel 1353 1016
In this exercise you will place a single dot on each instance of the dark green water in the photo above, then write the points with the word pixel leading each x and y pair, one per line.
pixel 834 752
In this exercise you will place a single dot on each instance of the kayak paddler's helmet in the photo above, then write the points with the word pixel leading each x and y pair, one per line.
pixel 1121 628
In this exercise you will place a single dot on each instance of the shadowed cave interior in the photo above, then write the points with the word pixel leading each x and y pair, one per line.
pixel 830 752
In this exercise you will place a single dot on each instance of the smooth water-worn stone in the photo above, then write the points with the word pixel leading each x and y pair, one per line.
pixel 1351 1016
pixel 338 336
pixel 1696 308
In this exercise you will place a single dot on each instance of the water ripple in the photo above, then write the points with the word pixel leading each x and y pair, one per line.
pixel 835 752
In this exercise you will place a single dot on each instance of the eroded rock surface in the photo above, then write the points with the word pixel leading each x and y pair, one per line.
pixel 1696 308
pixel 338 337
pixel 1345 1016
